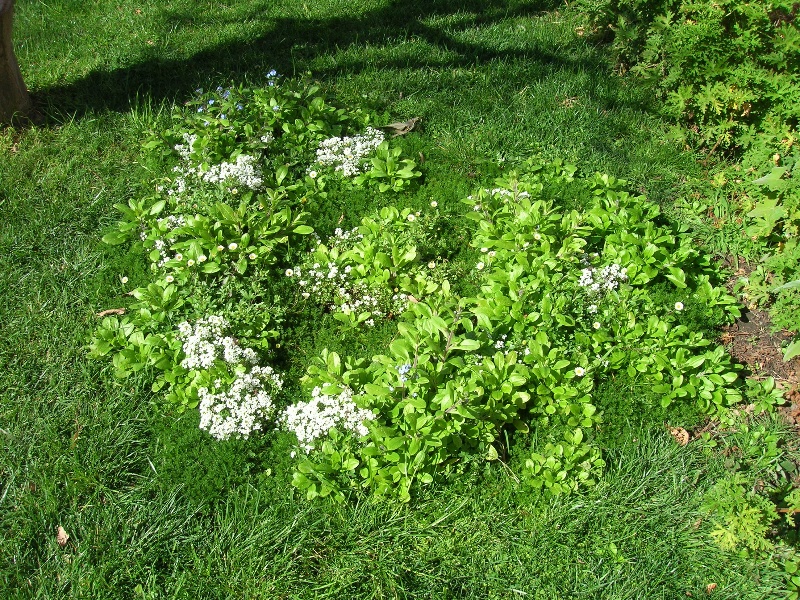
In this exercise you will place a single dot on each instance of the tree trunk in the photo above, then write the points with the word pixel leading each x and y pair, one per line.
pixel 15 103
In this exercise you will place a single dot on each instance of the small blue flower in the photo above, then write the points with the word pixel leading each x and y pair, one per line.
pixel 402 371
pixel 272 73
pixel 210 102
pixel 223 116
pixel 270 83
pixel 227 94
pixel 219 89
pixel 200 109
pixel 239 107
pixel 276 108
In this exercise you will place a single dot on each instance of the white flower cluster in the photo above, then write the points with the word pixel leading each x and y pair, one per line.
pixel 172 221
pixel 185 150
pixel 346 154
pixel 602 280
pixel 312 420
pixel 243 171
pixel 205 342
pixel 336 287
pixel 241 409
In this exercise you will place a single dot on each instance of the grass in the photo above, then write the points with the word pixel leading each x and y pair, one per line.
pixel 153 507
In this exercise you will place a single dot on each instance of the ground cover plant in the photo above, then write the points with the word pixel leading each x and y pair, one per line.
pixel 463 334
pixel 726 72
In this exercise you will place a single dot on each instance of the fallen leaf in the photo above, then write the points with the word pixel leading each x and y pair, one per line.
pixel 569 102
pixel 680 434
pixel 711 587
pixel 111 311
pixel 62 537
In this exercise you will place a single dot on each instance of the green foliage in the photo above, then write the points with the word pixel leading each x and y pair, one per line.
pixel 216 228
pixel 742 518
pixel 726 72
pixel 724 69
pixel 774 283
pixel 554 314
pixel 563 300
pixel 753 507
pixel 389 171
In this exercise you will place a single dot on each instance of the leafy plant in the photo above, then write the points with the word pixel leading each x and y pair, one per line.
pixel 389 171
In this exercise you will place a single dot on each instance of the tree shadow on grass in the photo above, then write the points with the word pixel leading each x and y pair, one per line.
pixel 290 44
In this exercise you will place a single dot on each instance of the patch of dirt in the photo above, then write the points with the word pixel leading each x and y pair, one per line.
pixel 751 342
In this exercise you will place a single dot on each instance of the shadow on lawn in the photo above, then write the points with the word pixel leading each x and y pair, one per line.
pixel 290 44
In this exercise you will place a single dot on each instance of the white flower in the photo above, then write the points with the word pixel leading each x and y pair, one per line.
pixel 243 171
pixel 124 279
pixel 431 265
pixel 537 236
pixel 233 246
pixel 679 306
pixel 241 409
pixel 411 217
pixel 596 325
pixel 312 174
pixel 434 204
pixel 580 371
pixel 314 419
pixel 202 258
pixel 289 272
pixel 179 256
pixel 480 266
pixel 190 263
pixel 220 247
pixel 170 278
pixel 305 295
pixel 252 256
pixel 346 154
pixel 484 250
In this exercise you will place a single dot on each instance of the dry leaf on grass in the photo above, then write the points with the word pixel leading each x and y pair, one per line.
pixel 680 434
pixel 62 537
pixel 111 311
pixel 711 587
pixel 569 102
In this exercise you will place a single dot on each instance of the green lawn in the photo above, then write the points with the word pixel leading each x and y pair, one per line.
pixel 153 506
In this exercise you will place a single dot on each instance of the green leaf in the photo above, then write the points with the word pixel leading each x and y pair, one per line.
pixel 394 443
pixel 115 238
pixel 792 350
pixel 157 207
pixel 787 286
pixel 303 229
pixel 210 267
pixel 677 276
pixel 773 179
pixel 467 344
